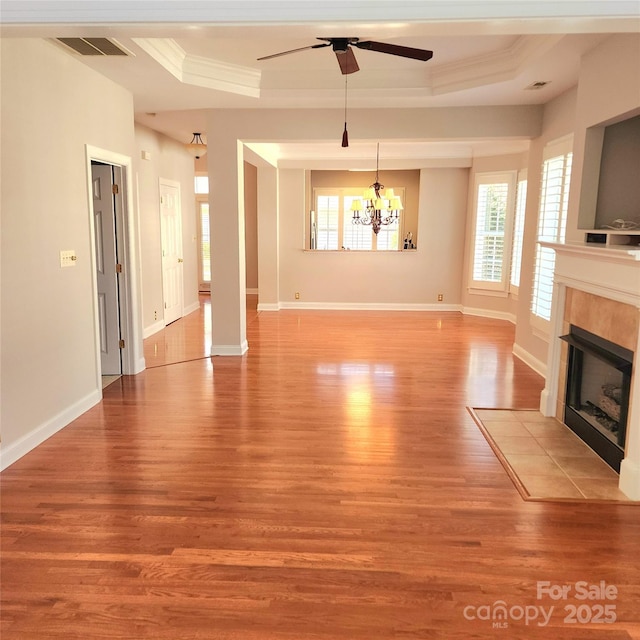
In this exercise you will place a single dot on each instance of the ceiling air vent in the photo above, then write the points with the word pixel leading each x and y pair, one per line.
pixel 93 46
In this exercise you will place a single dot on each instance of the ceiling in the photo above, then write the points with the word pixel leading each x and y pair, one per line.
pixel 186 58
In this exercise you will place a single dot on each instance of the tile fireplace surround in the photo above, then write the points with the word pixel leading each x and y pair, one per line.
pixel 597 289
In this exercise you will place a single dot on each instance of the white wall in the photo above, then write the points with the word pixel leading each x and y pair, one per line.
pixel 320 277
pixel 168 159
pixel 408 279
pixel 52 106
pixel 608 87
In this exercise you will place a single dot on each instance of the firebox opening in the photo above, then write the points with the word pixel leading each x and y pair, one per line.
pixel 597 393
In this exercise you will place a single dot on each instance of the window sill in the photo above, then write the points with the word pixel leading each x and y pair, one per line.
pixel 487 292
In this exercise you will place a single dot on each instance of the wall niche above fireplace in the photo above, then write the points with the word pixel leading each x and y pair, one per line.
pixel 610 193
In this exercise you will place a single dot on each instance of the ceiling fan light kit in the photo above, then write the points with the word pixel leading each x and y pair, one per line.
pixel 347 59
pixel 342 47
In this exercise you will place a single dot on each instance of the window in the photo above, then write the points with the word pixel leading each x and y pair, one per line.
pixel 355 236
pixel 518 232
pixel 552 224
pixel 332 228
pixel 491 237
pixel 201 185
pixel 205 242
pixel 328 219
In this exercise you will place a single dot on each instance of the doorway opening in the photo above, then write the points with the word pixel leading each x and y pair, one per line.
pixel 117 319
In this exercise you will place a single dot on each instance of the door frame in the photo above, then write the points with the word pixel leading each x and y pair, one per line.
pixel 110 237
pixel 130 304
pixel 172 184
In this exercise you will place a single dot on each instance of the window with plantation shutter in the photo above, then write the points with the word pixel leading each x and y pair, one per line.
pixel 354 236
pixel 327 210
pixel 552 222
pixel 201 188
pixel 333 228
pixel 492 238
pixel 388 238
pixel 518 232
pixel 205 242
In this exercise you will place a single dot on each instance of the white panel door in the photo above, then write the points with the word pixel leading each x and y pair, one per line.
pixel 106 265
pixel 172 260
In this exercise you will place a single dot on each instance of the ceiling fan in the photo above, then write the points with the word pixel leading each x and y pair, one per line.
pixel 347 59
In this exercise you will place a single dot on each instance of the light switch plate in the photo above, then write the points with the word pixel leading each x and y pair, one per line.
pixel 68 258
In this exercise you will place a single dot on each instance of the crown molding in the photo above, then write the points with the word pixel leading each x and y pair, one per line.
pixel 166 52
pixel 200 71
pixel 213 74
pixel 497 66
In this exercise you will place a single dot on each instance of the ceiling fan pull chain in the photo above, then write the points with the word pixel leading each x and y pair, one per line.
pixel 345 135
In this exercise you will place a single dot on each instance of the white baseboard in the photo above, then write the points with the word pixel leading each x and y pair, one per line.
pixel 547 405
pixel 229 349
pixel 268 306
pixel 14 451
pixel 630 479
pixel 537 365
pixel 159 325
pixel 195 306
pixel 368 306
pixel 487 313
pixel 154 328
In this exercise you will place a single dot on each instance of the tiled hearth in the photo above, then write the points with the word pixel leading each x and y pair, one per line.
pixel 548 460
pixel 597 289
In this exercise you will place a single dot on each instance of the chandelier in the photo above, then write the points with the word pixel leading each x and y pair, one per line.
pixel 197 148
pixel 379 208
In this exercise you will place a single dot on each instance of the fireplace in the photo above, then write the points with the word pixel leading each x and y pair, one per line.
pixel 597 393
pixel 598 290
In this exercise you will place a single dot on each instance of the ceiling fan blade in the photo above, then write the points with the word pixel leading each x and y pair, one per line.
pixel 395 50
pixel 347 61
pixel 284 53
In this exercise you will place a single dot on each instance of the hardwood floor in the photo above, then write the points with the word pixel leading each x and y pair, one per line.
pixel 330 484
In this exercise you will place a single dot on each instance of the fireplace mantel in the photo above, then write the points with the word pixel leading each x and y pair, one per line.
pixel 613 273
pixel 619 253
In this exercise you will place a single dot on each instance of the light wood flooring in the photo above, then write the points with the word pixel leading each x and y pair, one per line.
pixel 331 484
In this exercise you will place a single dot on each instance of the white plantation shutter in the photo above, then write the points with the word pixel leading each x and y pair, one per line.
pixel 354 236
pixel 205 242
pixel 328 215
pixel 388 236
pixel 518 233
pixel 552 225
pixel 335 230
pixel 491 245
pixel 490 219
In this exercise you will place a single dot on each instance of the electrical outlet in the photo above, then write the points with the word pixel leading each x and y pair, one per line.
pixel 297 295
pixel 440 297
